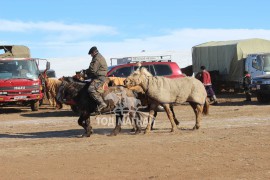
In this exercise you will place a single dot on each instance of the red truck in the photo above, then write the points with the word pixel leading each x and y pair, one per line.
pixel 20 81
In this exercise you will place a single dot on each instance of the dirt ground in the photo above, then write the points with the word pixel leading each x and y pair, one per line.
pixel 233 143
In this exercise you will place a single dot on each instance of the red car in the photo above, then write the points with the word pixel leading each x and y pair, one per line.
pixel 167 69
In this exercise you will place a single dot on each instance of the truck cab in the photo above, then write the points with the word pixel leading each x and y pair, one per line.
pixel 258 65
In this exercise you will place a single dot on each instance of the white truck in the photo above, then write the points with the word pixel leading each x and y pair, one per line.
pixel 227 61
pixel 261 77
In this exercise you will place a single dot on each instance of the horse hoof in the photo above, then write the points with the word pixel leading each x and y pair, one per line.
pixel 133 130
pixel 196 127
pixel 138 132
pixel 84 135
pixel 176 122
pixel 146 131
pixel 113 134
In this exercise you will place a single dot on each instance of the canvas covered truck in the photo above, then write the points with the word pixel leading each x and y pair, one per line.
pixel 20 82
pixel 227 61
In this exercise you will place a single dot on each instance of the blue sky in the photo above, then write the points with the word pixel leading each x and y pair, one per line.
pixel 63 29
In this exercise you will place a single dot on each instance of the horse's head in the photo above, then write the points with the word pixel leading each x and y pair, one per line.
pixel 137 77
pixel 133 80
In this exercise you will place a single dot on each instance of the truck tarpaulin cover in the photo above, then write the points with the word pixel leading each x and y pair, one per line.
pixel 14 51
pixel 227 56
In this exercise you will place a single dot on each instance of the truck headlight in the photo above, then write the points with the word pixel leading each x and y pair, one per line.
pixel 3 93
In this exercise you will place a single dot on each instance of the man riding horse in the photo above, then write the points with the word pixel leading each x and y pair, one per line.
pixel 97 71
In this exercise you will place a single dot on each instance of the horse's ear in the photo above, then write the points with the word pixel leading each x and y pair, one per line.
pixel 142 70
pixel 139 64
pixel 45 73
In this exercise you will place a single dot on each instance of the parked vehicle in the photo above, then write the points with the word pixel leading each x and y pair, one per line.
pixel 19 77
pixel 157 67
pixel 262 87
pixel 229 59
pixel 154 64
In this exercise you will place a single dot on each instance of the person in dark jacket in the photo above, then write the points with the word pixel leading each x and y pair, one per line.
pixel 205 78
pixel 246 85
pixel 97 71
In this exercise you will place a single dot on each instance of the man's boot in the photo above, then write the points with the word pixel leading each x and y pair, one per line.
pixel 100 102
pixel 215 100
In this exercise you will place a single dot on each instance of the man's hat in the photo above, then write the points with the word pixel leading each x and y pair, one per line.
pixel 93 49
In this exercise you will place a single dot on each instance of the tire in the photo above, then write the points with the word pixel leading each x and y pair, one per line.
pixel 35 105
pixel 262 98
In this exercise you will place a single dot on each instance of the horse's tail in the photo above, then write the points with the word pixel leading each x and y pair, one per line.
pixel 206 107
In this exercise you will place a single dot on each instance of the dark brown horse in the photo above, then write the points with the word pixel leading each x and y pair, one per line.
pixel 118 99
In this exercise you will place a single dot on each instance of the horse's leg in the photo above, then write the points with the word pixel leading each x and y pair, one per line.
pixel 137 121
pixel 117 129
pixel 50 99
pixel 59 105
pixel 174 117
pixel 132 117
pixel 170 116
pixel 84 121
pixel 198 109
pixel 153 121
pixel 152 108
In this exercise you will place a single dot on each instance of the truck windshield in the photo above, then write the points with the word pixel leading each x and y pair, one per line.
pixel 266 62
pixel 10 69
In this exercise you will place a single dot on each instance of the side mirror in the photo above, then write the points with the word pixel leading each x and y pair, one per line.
pixel 48 65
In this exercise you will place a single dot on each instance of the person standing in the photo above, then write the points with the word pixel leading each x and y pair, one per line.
pixel 97 71
pixel 206 80
pixel 246 85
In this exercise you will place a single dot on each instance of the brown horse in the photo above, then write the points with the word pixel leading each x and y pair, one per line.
pixel 167 91
pixel 51 88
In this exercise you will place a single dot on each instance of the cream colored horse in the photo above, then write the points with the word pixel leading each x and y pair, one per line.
pixel 167 91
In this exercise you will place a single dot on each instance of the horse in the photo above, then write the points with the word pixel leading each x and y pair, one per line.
pixel 167 91
pixel 117 99
pixel 51 88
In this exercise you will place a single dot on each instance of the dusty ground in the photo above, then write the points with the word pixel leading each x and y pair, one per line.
pixel 233 143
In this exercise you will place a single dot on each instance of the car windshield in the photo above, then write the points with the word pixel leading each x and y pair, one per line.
pixel 266 62
pixel 10 69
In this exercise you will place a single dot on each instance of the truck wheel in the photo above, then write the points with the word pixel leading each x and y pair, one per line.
pixel 35 105
pixel 262 98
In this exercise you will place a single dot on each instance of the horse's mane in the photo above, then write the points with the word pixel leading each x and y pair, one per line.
pixel 142 71
pixel 145 72
pixel 73 88
pixel 70 79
